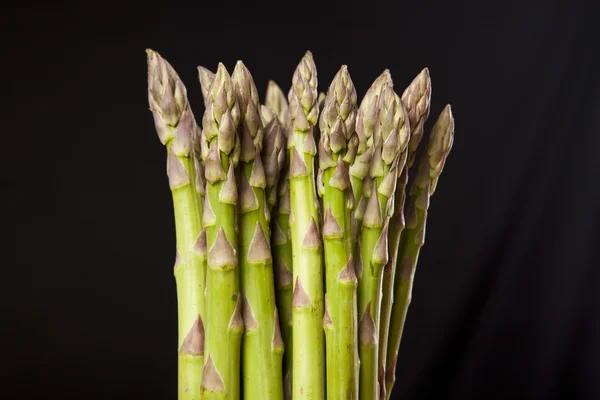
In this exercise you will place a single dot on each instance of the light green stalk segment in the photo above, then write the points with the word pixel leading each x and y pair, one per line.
pixel 307 302
pixel 412 239
pixel 176 128
pixel 337 148
pixel 190 278
pixel 262 347
pixel 281 235
pixel 224 324
pixel 416 100
pixel 389 140
pixel 282 254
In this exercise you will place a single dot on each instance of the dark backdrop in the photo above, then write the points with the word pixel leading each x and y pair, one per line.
pixel 507 293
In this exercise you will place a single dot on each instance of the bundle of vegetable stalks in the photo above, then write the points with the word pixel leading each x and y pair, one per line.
pixel 297 233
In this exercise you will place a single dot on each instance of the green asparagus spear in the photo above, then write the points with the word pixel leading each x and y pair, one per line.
pixel 224 323
pixel 389 140
pixel 416 98
pixel 337 149
pixel 176 129
pixel 307 302
pixel 281 236
pixel 366 123
pixel 413 236
pixel 262 346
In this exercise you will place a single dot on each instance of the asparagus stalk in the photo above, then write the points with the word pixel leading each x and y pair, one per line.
pixel 176 127
pixel 389 140
pixel 430 167
pixel 416 99
pixel 281 236
pixel 366 123
pixel 224 324
pixel 337 149
pixel 307 302
pixel 262 346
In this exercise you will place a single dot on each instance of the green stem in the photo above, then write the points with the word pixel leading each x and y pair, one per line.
pixel 369 294
pixel 408 254
pixel 307 308
pixel 282 253
pixel 189 275
pixel 340 322
pixel 389 275
pixel 223 303
pixel 262 346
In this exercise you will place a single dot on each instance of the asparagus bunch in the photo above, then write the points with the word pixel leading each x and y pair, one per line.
pixel 337 148
pixel 281 295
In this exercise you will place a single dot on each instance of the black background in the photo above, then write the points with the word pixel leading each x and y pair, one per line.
pixel 506 301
